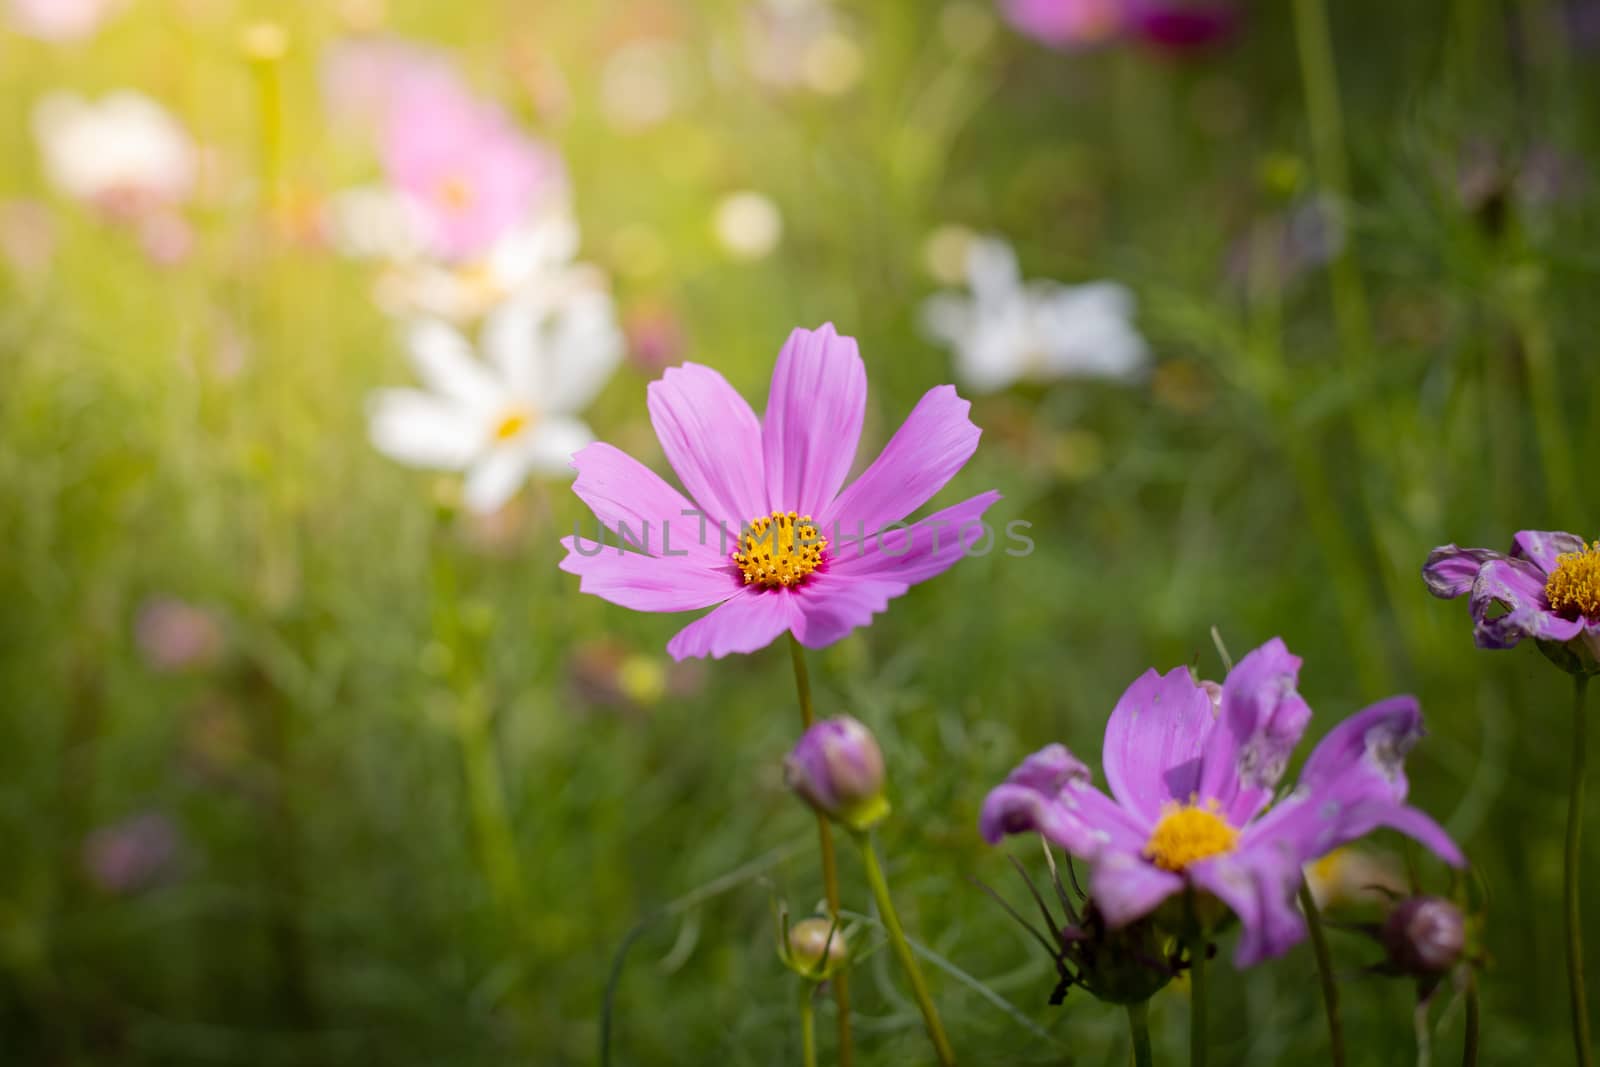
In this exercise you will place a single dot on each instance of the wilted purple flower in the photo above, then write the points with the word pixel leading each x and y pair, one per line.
pixel 1424 936
pixel 837 768
pixel 1176 26
pixel 131 855
pixel 1546 588
pixel 174 635
pixel 1191 791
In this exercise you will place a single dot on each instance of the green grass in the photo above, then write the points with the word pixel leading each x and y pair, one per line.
pixel 331 906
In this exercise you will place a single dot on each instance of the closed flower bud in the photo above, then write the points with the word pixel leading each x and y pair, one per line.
pixel 816 949
pixel 1424 936
pixel 837 768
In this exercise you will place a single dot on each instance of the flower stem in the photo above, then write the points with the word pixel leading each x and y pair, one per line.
pixel 1330 989
pixel 830 868
pixel 1469 1046
pixel 1580 1000
pixel 1139 1028
pixel 1197 997
pixel 808 1028
pixel 902 950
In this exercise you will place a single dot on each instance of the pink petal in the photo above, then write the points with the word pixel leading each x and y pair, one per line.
pixel 832 605
pixel 713 441
pixel 1261 720
pixel 813 420
pixel 645 583
pixel 916 553
pixel 1544 547
pixel 634 502
pixel 1126 887
pixel 1154 740
pixel 1259 887
pixel 934 442
pixel 749 621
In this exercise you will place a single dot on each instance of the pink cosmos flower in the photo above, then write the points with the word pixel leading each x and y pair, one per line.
pixel 769 538
pixel 472 174
pixel 1192 772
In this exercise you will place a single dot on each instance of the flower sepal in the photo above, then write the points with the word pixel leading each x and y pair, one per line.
pixel 1576 657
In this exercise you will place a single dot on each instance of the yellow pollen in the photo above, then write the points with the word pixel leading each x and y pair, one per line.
pixel 511 424
pixel 779 550
pixel 1188 833
pixel 456 193
pixel 1573 588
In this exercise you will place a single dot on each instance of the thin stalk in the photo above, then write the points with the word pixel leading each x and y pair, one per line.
pixel 1197 998
pixel 1574 856
pixel 902 950
pixel 808 1026
pixel 1330 989
pixel 1139 1029
pixel 1469 1046
pixel 830 867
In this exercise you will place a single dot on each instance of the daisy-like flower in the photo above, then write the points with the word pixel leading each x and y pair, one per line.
pixel 1008 330
pixel 1192 772
pixel 1546 588
pixel 771 537
pixel 124 154
pixel 513 415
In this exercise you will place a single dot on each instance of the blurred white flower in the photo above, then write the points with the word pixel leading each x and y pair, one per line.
pixel 60 20
pixel 125 154
pixel 748 225
pixel 1352 876
pixel 643 83
pixel 513 413
pixel 1008 330
pixel 801 43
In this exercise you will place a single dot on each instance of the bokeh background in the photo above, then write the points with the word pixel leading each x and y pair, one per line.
pixel 263 687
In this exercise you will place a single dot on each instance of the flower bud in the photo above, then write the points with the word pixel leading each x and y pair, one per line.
pixel 1424 936
pixel 816 949
pixel 837 768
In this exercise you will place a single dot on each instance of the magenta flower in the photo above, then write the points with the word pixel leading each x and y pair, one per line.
pixel 472 174
pixel 1547 588
pixel 1172 25
pixel 1193 774
pixel 770 539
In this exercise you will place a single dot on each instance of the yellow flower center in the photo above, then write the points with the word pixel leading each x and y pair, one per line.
pixel 456 193
pixel 511 424
pixel 1573 588
pixel 779 550
pixel 1188 833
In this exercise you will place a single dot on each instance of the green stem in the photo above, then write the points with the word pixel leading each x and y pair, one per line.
pixel 902 950
pixel 1330 989
pixel 830 868
pixel 1574 856
pixel 1469 1046
pixel 1139 1028
pixel 1197 997
pixel 808 1028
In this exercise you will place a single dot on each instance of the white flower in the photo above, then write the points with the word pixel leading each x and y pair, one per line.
pixel 61 20
pixel 514 413
pixel 381 224
pixel 1009 330
pixel 125 152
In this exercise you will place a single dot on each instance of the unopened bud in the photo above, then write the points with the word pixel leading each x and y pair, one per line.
pixel 816 949
pixel 1424 936
pixel 837 768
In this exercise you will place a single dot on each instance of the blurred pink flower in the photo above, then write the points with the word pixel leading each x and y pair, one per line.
pixel 1171 25
pixel 362 77
pixel 174 635
pixel 60 20
pixel 1067 23
pixel 473 175
pixel 134 854
pixel 656 339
